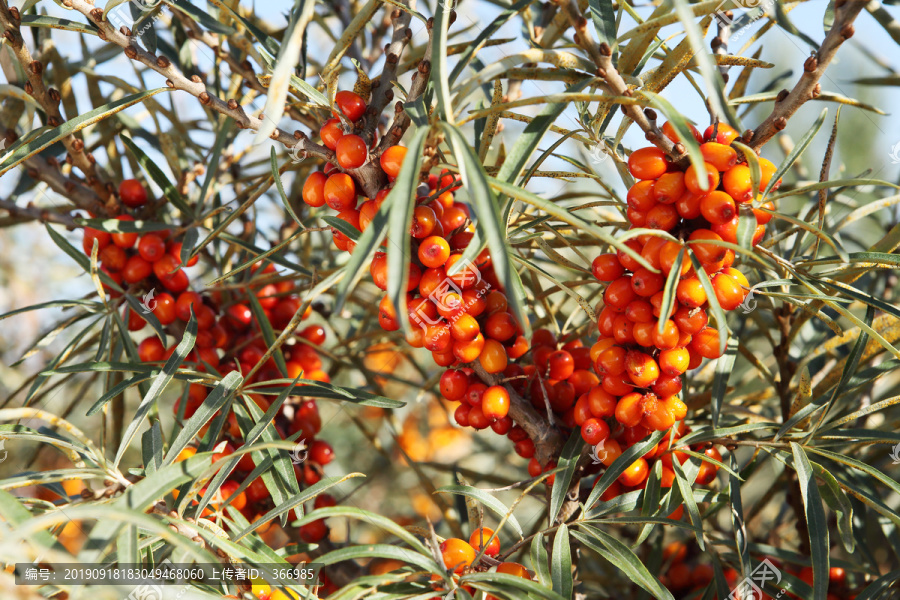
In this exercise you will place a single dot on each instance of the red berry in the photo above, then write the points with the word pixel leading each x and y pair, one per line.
pixel 132 193
pixel 351 151
pixel 351 104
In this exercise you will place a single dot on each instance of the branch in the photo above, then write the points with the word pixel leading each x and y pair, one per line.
pixel 547 441
pixel 845 11
pixel 49 99
pixel 601 54
pixel 383 92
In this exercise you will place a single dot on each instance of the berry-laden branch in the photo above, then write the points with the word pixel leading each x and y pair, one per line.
pixel 845 11
pixel 50 99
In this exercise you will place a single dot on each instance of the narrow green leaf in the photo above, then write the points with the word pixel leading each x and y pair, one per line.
pixel 816 522
pixel 568 460
pixel 561 563
pixel 796 152
pixel 217 398
pixel 488 500
pixel 152 448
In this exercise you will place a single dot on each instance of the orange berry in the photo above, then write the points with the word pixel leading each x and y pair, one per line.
pixel 662 216
pixel 392 159
pixel 351 151
pixel 434 251
pixel 479 539
pixel 626 260
pixel 706 343
pixel 606 267
pixel 340 192
pixel 511 568
pixel 124 240
pixel 669 131
pixel 561 364
pixel 467 352
pixel 645 283
pixel 720 156
pixel 728 291
pixel 619 293
pixel 692 181
pixel 706 252
pixel 594 431
pixel 718 207
pixel 690 293
pixel 668 254
pixel 495 402
pixel 737 276
pixel 763 217
pixel 611 361
pixel 688 206
pixel 493 357
pixel 629 410
pixel 639 311
pixel 641 368
pixel 725 133
pixel 674 361
pixel 423 222
pixel 641 197
pixel 501 326
pixel 708 470
pixel 457 554
pixel 351 104
pixel 669 187
pixel 738 182
pixel 647 163
pixel 464 328
pixel 767 170
pixel 635 474
pixel 331 132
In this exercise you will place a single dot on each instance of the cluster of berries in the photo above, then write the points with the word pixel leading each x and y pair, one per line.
pixel 459 555
pixel 685 576
pixel 229 338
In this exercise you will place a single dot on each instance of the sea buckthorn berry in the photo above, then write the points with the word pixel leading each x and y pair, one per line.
pixel 467 277
pixel 762 217
pixel 641 368
pixel 669 131
pixel 720 156
pixel 601 403
pixel 340 192
pixel 706 343
pixel 464 328
pixel 351 104
pixel 543 337
pixel 351 151
pixel 151 247
pixel 165 309
pixel 640 196
pixel 676 407
pixel 594 431
pixel 495 402
pixel 367 212
pixel 635 474
pixel 645 283
pixel 718 207
pixel 454 384
pixel 729 292
pixel 669 337
pixel 674 361
pixel 635 217
pixel 518 348
pixel 643 333
pixel 474 302
pixel 737 276
pixel 124 240
pixel 321 452
pixel 434 251
pixel 136 269
pixel 378 270
pixel 725 133
pixel 738 182
pixel 647 163
pixel 606 321
pixel 623 330
pixel 668 254
pixel 628 261
pixel 314 189
pixel 113 258
pixel 690 320
pixel 669 187
pixel 706 252
pixel 767 170
pixel 688 206
pixel 708 470
pixel 639 311
pixel 667 385
pixel 650 251
pixel 387 316
pixel 331 132
pixel 561 365
pixel 132 193
pixel 608 451
pixel 606 267
pixel 690 293
pixel 151 350
pixel 103 239
pixel 501 326
pixel 174 248
pixel 611 361
pixel 437 337
pixel 629 411
pixel 493 357
pixel 479 539
pixel 619 293
pixel 693 182
pixel 392 159
pixel 662 216
pixel 423 222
